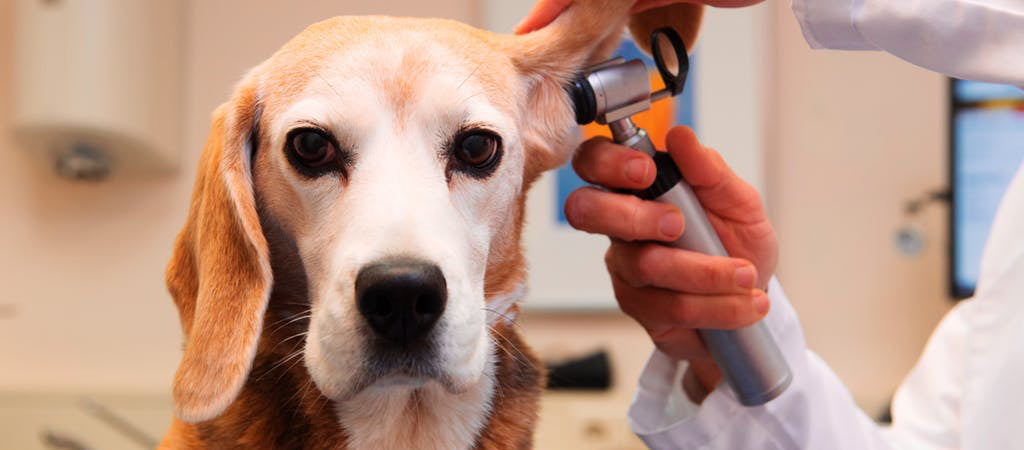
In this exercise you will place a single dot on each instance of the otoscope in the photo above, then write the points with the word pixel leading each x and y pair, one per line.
pixel 610 93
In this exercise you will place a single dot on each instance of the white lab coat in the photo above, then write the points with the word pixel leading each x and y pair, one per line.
pixel 967 390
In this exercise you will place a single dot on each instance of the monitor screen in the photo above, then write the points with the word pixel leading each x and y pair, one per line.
pixel 986 148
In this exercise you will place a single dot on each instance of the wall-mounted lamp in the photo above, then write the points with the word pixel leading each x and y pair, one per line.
pixel 97 85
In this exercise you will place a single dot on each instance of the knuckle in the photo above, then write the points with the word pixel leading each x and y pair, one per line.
pixel 611 261
pixel 634 221
pixel 628 305
pixel 661 335
pixel 647 265
pixel 577 161
pixel 733 311
pixel 686 312
pixel 586 160
pixel 712 275
pixel 609 257
pixel 719 276
pixel 623 267
pixel 576 209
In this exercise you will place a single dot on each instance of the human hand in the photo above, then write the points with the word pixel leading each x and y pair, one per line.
pixel 544 11
pixel 669 291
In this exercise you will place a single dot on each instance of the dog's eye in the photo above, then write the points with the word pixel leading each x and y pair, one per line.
pixel 313 148
pixel 478 151
pixel 314 152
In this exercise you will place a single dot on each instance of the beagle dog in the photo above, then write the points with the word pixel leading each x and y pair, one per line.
pixel 347 274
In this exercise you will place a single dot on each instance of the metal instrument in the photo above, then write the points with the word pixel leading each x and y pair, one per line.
pixel 609 94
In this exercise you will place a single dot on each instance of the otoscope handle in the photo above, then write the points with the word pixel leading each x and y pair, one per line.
pixel 750 360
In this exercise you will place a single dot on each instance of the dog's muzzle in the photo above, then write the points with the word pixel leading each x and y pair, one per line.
pixel 401 299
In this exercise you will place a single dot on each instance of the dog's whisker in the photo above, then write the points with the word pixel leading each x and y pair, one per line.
pixel 290 317
pixel 324 79
pixel 505 316
pixel 290 356
pixel 508 320
pixel 475 69
pixel 293 319
pixel 518 355
pixel 290 366
pixel 469 97
pixel 282 341
pixel 498 393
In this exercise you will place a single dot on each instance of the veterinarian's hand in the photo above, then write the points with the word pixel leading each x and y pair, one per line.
pixel 669 291
pixel 544 11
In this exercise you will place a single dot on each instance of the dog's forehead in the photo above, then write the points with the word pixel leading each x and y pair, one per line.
pixel 398 57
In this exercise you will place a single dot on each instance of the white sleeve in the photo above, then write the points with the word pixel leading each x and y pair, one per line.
pixel 926 410
pixel 972 39
pixel 816 411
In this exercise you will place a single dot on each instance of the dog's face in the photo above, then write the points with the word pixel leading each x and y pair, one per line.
pixel 393 156
pixel 396 165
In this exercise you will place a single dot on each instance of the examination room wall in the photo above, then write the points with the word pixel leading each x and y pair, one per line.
pixel 856 135
pixel 82 281
pixel 851 136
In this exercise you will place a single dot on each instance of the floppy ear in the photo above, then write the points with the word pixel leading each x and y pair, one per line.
pixel 587 32
pixel 219 274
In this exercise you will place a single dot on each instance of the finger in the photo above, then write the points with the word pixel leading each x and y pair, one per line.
pixel 622 216
pixel 654 307
pixel 719 189
pixel 601 161
pixel 679 343
pixel 646 264
pixel 542 13
pixel 706 372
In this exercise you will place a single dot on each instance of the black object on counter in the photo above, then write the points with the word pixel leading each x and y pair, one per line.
pixel 590 372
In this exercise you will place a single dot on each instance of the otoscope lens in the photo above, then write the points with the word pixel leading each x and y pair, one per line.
pixel 583 100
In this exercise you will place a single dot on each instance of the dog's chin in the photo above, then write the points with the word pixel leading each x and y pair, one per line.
pixel 396 381
pixel 406 381
pixel 346 383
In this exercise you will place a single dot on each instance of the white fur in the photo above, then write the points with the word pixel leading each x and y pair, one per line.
pixel 386 417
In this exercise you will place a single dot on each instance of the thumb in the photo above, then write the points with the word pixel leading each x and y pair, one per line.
pixel 542 13
pixel 718 188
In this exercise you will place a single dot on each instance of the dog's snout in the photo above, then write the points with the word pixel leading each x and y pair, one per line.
pixel 401 299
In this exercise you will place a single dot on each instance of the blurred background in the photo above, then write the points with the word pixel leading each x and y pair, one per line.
pixel 851 151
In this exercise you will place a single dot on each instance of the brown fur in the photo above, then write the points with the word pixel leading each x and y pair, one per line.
pixel 239 284
pixel 280 408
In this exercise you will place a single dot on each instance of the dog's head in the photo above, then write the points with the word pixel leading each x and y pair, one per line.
pixel 392 154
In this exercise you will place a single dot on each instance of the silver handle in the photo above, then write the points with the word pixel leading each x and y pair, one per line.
pixel 750 361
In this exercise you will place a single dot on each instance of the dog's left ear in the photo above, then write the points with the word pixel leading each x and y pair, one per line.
pixel 586 33
pixel 219 274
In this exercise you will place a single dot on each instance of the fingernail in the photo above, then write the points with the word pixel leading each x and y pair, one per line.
pixel 671 225
pixel 746 277
pixel 636 170
pixel 762 303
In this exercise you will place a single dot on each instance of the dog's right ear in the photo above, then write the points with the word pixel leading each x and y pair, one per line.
pixel 219 274
pixel 546 59
pixel 587 32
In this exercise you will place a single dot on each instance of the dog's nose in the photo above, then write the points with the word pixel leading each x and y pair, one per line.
pixel 401 299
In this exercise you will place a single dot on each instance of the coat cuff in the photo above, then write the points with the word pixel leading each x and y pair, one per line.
pixel 830 24
pixel 663 416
